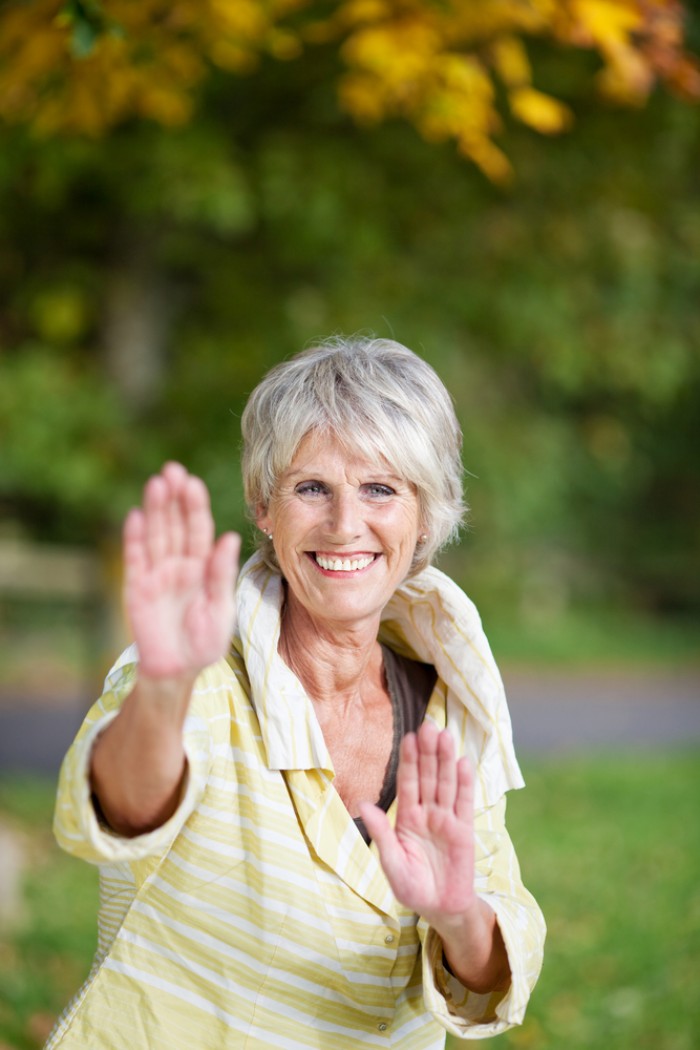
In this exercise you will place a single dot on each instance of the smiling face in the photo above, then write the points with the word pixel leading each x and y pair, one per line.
pixel 345 531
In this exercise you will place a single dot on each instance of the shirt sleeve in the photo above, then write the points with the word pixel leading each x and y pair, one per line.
pixel 466 1014
pixel 77 825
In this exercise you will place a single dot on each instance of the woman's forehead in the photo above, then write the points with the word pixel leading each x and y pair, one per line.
pixel 325 449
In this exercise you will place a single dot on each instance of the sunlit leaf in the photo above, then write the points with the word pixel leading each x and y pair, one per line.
pixel 542 112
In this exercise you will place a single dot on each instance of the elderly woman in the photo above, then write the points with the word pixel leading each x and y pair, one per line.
pixel 296 796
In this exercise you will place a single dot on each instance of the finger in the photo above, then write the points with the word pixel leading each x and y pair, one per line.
pixel 447 771
pixel 381 831
pixel 155 502
pixel 427 741
pixel 464 800
pixel 177 480
pixel 407 790
pixel 199 522
pixel 222 569
pixel 174 474
pixel 135 555
pixel 176 527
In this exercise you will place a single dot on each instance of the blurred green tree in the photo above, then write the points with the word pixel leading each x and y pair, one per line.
pixel 180 262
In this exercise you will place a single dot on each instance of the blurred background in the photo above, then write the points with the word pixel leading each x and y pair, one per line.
pixel 190 192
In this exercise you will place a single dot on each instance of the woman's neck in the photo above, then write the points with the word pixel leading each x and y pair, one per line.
pixel 335 663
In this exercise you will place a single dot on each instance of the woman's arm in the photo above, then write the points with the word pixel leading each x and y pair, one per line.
pixel 138 764
pixel 179 596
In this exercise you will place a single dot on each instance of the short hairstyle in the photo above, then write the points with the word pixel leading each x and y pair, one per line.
pixel 378 399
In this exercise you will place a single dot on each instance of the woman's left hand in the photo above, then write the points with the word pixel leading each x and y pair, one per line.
pixel 428 857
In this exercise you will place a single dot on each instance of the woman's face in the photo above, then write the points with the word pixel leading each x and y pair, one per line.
pixel 344 530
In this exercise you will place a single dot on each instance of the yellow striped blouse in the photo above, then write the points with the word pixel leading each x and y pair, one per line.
pixel 257 916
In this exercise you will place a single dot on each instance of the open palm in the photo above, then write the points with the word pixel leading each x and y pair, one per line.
pixel 179 582
pixel 428 857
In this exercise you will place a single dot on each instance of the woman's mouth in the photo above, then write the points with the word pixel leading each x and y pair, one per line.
pixel 350 563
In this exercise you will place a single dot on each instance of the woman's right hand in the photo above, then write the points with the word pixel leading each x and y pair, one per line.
pixel 179 592
pixel 179 582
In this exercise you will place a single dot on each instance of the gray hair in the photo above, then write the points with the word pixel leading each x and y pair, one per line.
pixel 377 398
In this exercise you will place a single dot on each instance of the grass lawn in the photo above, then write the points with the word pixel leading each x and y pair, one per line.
pixel 611 850
pixel 610 847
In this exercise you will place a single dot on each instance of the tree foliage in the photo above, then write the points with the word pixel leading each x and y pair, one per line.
pixel 153 273
pixel 452 69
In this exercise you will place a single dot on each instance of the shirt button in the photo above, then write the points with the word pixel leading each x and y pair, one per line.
pixel 389 939
pixel 382 1027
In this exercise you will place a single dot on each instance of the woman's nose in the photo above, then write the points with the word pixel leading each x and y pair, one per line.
pixel 344 520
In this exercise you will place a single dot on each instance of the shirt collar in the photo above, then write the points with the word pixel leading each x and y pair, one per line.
pixel 429 618
pixel 290 730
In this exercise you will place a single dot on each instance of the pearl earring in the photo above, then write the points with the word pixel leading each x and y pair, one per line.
pixel 423 537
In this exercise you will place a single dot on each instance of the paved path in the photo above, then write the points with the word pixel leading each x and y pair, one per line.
pixel 552 712
pixel 35 734
pixel 603 710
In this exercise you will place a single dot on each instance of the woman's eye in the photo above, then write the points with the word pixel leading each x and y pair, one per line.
pixel 378 491
pixel 310 488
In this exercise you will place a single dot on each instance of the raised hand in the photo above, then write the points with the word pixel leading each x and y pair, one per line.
pixel 179 582
pixel 428 857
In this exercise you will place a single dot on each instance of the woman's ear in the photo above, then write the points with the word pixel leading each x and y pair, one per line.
pixel 262 518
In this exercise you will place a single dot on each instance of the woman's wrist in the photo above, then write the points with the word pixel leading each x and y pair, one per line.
pixel 138 764
pixel 474 949
pixel 160 697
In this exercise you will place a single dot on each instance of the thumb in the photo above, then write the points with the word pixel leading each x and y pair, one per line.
pixel 222 570
pixel 379 828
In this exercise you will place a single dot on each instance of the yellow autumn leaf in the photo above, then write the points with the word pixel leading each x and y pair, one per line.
pixel 359 95
pixel 165 105
pixel 439 119
pixel 388 46
pixel 432 62
pixel 541 112
pixel 181 63
pixel 283 44
pixel 464 74
pixel 685 79
pixel 232 57
pixel 489 158
pixel 627 79
pixel 469 24
pixel 609 22
pixel 20 23
pixel 510 61
pixel 49 119
pixel 357 12
pixel 81 108
pixel 89 108
pixel 469 115
pixel 246 19
pixel 40 52
pixel 120 88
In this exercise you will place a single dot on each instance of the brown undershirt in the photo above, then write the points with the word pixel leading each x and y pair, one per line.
pixel 410 686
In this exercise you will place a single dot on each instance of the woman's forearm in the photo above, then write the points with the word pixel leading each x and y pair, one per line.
pixel 138 763
pixel 474 949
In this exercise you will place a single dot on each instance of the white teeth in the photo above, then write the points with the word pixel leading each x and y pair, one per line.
pixel 344 564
